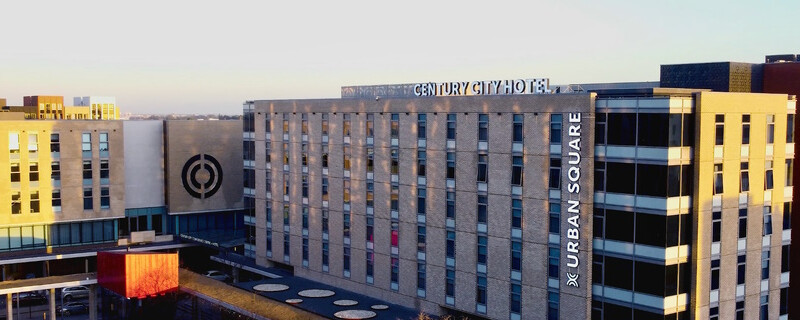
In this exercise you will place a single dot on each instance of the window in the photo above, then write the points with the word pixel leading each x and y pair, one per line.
pixel 421 194
pixel 395 161
pixel 483 167
pixel 554 219
pixel 370 159
pixel 600 128
pixel 285 124
pixel 370 125
pixel 719 133
pixel 451 244
pixel 555 128
pixel 56 200
pixel 742 223
pixel 745 129
pixel 450 283
pixel 770 128
pixel 324 124
pixel 13 143
pixel 789 172
pixel 285 154
pixel 789 128
pixel 740 268
pixel 451 165
pixel 768 181
pixel 555 173
pixel 285 214
pixel 304 126
pixel 395 125
pixel 395 271
pixel 599 176
pixel 421 274
pixel 16 203
pixel 87 199
pixel 422 126
pixel 104 172
pixel 718 186
pixel 324 155
pixel 86 145
pixel 104 145
pixel 517 130
pixel 516 170
pixel 715 274
pixel 516 255
pixel 346 262
pixel 480 295
pixel 33 174
pixel 623 177
pixel 33 142
pixel 553 257
pixel 267 123
pixel 618 273
pixel 619 225
pixel 482 209
pixel 739 310
pixel 346 125
pixel 767 226
pixel 656 129
pixel 744 177
pixel 483 127
pixel 552 305
pixel 15 172
pixel 105 199
pixel 286 247
pixel 451 126
pixel 620 128
pixel 370 266
pixel 55 145
pixel 785 258
pixel 765 264
pixel 421 157
pixel 516 298
pixel 716 226
pixel 516 213
pixel 305 252
pixel 787 215
pixel 304 154
pixel 784 301
pixel 325 255
pixel 482 249
pixel 713 313
pixel 87 172
pixel 268 151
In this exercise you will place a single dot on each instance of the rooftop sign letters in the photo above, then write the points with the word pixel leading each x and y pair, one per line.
pixel 482 88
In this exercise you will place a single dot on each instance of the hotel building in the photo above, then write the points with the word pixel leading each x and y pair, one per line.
pixel 506 203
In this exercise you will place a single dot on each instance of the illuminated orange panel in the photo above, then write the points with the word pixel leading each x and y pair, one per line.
pixel 138 274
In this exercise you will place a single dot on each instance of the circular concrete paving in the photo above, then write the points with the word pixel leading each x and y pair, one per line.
pixel 316 293
pixel 355 314
pixel 345 303
pixel 270 287
pixel 294 301
pixel 379 307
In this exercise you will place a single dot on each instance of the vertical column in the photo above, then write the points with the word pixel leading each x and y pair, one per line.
pixel 92 302
pixel 9 305
pixel 52 304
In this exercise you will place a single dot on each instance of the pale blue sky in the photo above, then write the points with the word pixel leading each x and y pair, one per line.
pixel 208 57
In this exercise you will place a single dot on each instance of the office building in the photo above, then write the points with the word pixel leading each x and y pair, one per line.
pixel 468 198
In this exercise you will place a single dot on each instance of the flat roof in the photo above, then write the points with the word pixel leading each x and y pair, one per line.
pixel 46 283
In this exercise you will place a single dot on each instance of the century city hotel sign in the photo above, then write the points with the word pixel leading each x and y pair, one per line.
pixel 482 88
pixel 573 202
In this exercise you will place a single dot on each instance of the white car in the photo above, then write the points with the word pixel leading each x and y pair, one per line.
pixel 72 293
pixel 217 275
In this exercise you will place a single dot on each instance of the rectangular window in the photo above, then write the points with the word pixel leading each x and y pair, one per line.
pixel 267 123
pixel 555 218
pixel 765 264
pixel 346 261
pixel 55 173
pixel 719 133
pixel 451 126
pixel 55 143
pixel 56 200
pixel 104 172
pixel 516 255
pixel 450 247
pixel 33 142
pixel 480 294
pixel 421 157
pixel 483 127
pixel 516 213
pixel 422 124
pixel 768 180
pixel 552 305
pixel 745 129
pixel 451 165
pixel 451 205
pixel 482 209
pixel 516 298
pixel 16 203
pixel 482 249
pixel 450 283
pixel 517 130
pixel 105 198
pixel 304 125
pixel 716 226
pixel 715 274
pixel 787 215
pixel 421 194
pixel 742 223
pixel 619 128
pixel 785 258
pixel 34 202
pixel 553 257
pixel 324 155
pixel 33 174
pixel 555 128
pixel 395 271
pixel 87 199
pixel 370 266
pixel 15 175
pixel 86 145
pixel 304 154
pixel 718 186
pixel 600 128
pixel 87 172
pixel 370 159
pixel 13 142
pixel 744 177
pixel 767 227
pixel 286 247
pixel 784 301
pixel 395 125
pixel 286 186
pixel 421 274
pixel 555 173
pixel 324 124
pixel 740 268
pixel 103 145
pixel 305 252
pixel 764 307
pixel 600 176
pixel 789 128
pixel 739 310
pixel 370 125
pixel 516 170
pixel 789 172
pixel 285 154
pixel 713 313
pixel 395 161
pixel 346 125
pixel 770 128
pixel 286 214
pixel 483 168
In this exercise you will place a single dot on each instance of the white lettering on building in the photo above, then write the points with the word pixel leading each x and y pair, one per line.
pixel 483 88
pixel 572 242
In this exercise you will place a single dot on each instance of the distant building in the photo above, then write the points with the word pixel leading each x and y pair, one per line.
pixel 717 76
pixel 100 108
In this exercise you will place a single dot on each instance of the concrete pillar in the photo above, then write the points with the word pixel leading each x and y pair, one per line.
pixel 235 274
pixel 9 306
pixel 93 302
pixel 53 304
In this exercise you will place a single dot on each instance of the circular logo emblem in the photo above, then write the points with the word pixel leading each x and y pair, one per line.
pixel 202 176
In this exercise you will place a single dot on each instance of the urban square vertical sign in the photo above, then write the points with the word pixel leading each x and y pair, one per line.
pixel 572 217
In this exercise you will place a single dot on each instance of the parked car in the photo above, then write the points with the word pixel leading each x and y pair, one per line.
pixel 72 308
pixel 218 275
pixel 29 299
pixel 72 293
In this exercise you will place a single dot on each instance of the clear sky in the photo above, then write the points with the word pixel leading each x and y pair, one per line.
pixel 208 57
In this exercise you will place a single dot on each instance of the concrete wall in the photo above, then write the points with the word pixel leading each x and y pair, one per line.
pixel 144 164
